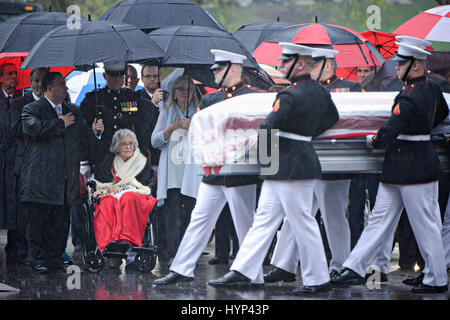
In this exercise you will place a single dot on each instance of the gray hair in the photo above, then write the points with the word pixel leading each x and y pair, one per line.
pixel 119 136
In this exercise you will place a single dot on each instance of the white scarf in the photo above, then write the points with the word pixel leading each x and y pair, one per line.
pixel 127 172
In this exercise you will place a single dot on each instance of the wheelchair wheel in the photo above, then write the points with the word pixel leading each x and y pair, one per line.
pixel 94 261
pixel 145 263
pixel 86 231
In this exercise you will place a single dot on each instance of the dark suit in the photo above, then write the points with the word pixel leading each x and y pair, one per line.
pixel 8 199
pixel 49 181
pixel 17 134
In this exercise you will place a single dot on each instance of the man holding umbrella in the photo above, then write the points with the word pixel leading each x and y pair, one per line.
pixel 114 108
pixel 215 191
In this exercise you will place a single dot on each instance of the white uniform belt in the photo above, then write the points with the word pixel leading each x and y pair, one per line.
pixel 419 137
pixel 293 136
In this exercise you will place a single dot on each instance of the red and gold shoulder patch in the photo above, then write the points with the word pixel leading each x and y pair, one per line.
pixel 276 105
pixel 397 109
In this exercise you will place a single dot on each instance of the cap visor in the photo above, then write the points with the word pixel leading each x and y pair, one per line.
pixel 214 67
pixel 396 58
pixel 285 58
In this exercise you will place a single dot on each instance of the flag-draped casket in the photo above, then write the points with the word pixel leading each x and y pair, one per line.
pixel 225 136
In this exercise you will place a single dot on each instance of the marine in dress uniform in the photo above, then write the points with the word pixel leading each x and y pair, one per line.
pixel 300 112
pixel 119 108
pixel 409 178
pixel 409 251
pixel 215 191
pixel 330 196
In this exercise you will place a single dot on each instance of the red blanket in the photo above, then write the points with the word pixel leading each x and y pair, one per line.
pixel 122 219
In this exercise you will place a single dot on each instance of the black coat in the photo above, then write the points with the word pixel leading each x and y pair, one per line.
pixel 305 108
pixel 215 97
pixel 416 110
pixel 121 109
pixel 7 179
pixel 17 106
pixel 151 113
pixel 52 154
pixel 104 174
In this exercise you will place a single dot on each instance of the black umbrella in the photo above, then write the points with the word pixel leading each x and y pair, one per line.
pixel 189 46
pixel 21 33
pixel 149 15
pixel 252 35
pixel 94 41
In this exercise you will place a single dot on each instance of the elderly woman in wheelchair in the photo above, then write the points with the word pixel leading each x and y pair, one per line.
pixel 125 202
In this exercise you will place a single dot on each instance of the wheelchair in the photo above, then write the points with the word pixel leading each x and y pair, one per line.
pixel 93 260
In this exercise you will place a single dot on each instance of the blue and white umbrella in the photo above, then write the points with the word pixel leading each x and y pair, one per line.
pixel 80 83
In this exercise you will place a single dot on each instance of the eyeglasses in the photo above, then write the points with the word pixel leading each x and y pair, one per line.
pixel 150 76
pixel 127 144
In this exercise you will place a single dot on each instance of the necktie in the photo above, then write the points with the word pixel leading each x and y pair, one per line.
pixel 58 109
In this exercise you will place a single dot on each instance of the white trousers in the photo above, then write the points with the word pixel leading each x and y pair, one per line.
pixel 421 204
pixel 331 197
pixel 291 200
pixel 210 202
pixel 446 233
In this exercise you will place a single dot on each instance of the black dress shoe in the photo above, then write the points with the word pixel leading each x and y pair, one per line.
pixel 113 246
pixel 277 274
pixel 414 281
pixel 348 278
pixel 423 288
pixel 305 290
pixel 217 260
pixel 123 246
pixel 60 267
pixel 383 276
pixel 39 268
pixel 172 277
pixel 334 274
pixel 231 279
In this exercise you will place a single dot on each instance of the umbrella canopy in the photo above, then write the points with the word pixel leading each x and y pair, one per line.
pixel 354 49
pixel 149 15
pixel 189 46
pixel 17 58
pixel 252 35
pixel 95 41
pixel 21 33
pixel 433 25
pixel 384 42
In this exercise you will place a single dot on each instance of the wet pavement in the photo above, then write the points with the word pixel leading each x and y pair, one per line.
pixel 130 284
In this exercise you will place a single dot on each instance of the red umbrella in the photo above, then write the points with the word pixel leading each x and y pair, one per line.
pixel 433 24
pixel 17 58
pixel 384 42
pixel 353 48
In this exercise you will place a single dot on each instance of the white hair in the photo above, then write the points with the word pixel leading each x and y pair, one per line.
pixel 119 136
